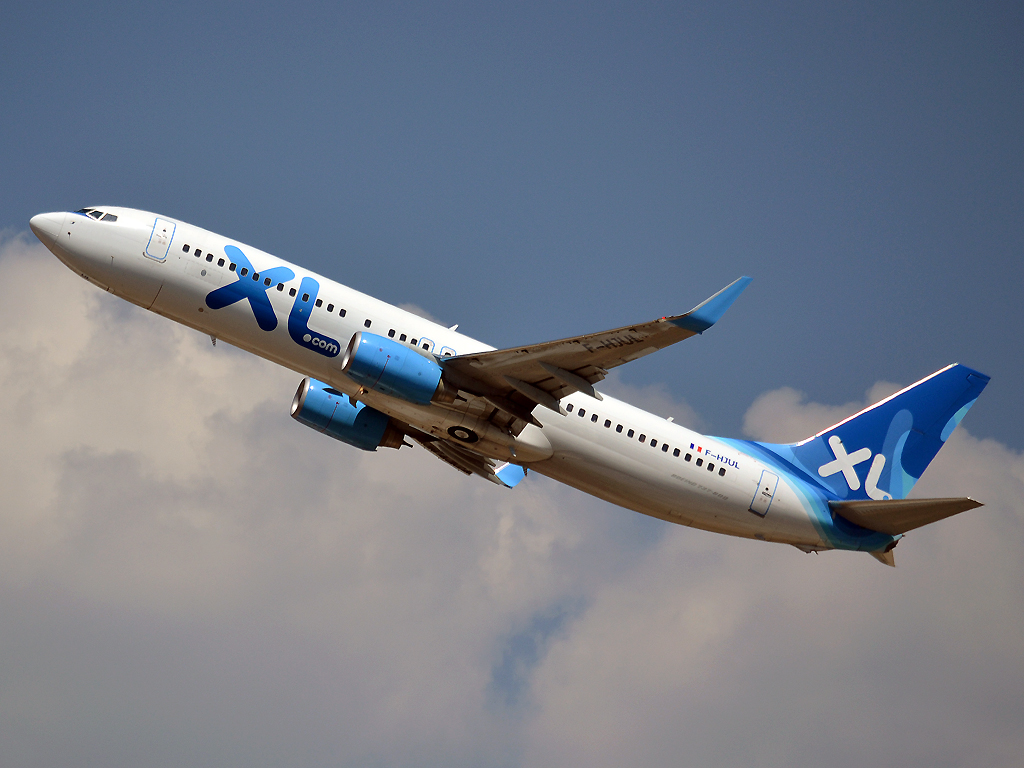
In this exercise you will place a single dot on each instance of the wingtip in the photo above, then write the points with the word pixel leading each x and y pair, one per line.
pixel 710 311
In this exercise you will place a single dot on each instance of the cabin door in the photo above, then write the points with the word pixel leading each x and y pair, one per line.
pixel 160 239
pixel 764 494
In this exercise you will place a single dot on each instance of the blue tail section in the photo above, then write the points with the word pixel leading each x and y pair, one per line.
pixel 882 451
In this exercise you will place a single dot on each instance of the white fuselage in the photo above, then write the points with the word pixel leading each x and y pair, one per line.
pixel 605 447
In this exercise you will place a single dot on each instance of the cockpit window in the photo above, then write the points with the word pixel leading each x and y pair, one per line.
pixel 98 215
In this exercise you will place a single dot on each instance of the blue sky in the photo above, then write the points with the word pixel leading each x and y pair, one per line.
pixel 532 172
pixel 187 576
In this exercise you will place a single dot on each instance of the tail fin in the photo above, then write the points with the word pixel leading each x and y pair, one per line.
pixel 882 451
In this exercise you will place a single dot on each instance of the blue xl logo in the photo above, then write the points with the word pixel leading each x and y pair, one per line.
pixel 255 290
pixel 298 321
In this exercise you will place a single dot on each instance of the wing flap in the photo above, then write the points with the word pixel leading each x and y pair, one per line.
pixel 896 516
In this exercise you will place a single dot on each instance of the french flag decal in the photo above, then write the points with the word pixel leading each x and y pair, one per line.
pixel 699 449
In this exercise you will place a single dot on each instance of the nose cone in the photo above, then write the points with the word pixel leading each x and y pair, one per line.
pixel 47 226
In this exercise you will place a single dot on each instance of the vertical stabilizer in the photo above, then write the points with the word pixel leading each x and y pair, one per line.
pixel 882 451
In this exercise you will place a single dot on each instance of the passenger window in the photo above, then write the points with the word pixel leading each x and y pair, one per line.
pixel 267 282
pixel 366 323
pixel 305 297
pixel 330 307
pixel 231 267
pixel 220 262
pixel 209 257
pixel 198 253
pixel 341 312
pixel 280 286
pixel 413 342
pixel 675 452
pixel 664 447
pixel 700 462
pixel 243 271
pixel 291 292
pixel 255 277
pixel 607 423
pixel 654 443
pixel 711 467
pixel 594 418
pixel 391 333
pixel 721 471
pixel 630 433
pixel 402 337
pixel 583 411
pixel 689 456
pixel 319 302
pixel 185 248
pixel 618 428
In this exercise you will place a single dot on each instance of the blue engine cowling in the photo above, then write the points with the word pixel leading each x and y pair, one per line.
pixel 327 410
pixel 390 368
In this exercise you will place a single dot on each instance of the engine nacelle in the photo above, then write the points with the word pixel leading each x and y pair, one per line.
pixel 385 366
pixel 327 410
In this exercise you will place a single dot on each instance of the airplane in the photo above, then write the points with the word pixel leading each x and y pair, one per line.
pixel 376 376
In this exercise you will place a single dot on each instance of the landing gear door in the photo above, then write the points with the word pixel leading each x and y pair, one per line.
pixel 764 494
pixel 160 239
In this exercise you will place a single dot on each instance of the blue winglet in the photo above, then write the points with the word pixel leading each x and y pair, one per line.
pixel 510 474
pixel 704 315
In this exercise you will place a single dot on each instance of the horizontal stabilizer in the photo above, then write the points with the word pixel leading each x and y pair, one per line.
pixel 896 516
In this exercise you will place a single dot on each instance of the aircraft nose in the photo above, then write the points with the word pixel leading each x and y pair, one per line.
pixel 46 226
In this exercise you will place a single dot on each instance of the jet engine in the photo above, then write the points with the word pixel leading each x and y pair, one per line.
pixel 385 366
pixel 327 410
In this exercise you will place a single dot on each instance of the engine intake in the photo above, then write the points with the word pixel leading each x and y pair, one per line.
pixel 391 368
pixel 327 410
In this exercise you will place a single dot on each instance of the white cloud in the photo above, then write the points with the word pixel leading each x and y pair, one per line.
pixel 188 575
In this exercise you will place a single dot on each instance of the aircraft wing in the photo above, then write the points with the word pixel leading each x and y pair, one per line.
pixel 468 462
pixel 514 380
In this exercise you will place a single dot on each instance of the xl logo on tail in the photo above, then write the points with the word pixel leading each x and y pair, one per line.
pixel 847 462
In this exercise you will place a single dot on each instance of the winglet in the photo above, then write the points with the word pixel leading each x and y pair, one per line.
pixel 510 474
pixel 704 315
